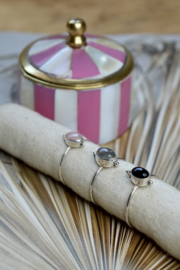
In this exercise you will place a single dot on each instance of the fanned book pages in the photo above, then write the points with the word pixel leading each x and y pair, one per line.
pixel 46 226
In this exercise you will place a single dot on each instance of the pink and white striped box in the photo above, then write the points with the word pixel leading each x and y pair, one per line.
pixel 87 88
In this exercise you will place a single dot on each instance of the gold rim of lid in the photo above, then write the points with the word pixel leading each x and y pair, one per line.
pixel 76 39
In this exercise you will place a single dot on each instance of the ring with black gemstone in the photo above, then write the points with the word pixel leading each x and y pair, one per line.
pixel 105 158
pixel 72 140
pixel 140 177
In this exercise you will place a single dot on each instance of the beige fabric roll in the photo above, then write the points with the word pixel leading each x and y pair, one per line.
pixel 154 210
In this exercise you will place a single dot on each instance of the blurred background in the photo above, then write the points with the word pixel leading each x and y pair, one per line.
pixel 103 17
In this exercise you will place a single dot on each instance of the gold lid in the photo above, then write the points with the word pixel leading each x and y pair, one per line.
pixel 50 61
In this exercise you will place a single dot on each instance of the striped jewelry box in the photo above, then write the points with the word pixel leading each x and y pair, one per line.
pixel 100 114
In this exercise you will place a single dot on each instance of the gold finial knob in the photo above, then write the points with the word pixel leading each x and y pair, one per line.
pixel 76 29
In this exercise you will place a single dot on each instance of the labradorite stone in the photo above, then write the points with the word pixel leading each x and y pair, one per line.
pixel 140 172
pixel 105 153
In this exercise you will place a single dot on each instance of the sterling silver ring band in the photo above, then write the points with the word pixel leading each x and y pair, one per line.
pixel 105 158
pixel 72 140
pixel 140 177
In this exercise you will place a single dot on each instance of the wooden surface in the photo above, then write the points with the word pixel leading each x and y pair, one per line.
pixel 106 17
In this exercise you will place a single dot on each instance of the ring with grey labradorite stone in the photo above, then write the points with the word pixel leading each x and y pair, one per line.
pixel 105 158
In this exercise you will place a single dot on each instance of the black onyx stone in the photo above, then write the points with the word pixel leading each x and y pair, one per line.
pixel 105 153
pixel 140 172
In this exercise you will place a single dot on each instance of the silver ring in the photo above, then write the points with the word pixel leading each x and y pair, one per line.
pixel 72 140
pixel 105 158
pixel 140 177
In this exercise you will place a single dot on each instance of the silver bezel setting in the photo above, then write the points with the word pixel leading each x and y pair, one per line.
pixel 106 163
pixel 138 182
pixel 73 144
pixel 142 182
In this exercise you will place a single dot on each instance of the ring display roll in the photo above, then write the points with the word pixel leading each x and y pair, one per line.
pixel 81 81
pixel 154 210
